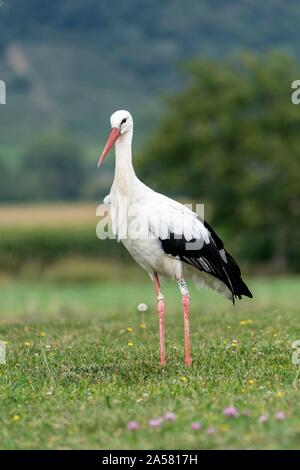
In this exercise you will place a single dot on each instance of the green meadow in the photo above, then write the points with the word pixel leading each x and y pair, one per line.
pixel 216 112
pixel 81 362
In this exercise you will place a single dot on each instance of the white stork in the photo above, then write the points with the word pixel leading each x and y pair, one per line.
pixel 164 236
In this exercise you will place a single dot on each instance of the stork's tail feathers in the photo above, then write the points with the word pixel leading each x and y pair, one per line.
pixel 232 271
pixel 216 267
pixel 235 281
pixel 224 274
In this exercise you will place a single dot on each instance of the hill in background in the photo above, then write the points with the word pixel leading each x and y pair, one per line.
pixel 68 65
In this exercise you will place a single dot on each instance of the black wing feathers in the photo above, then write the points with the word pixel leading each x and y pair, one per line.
pixel 211 258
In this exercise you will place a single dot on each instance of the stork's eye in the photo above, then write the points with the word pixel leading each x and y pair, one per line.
pixel 123 121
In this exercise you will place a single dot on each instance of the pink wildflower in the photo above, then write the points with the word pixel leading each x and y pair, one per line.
pixel 155 422
pixel 196 426
pixel 211 430
pixel 280 415
pixel 133 426
pixel 169 416
pixel 263 419
pixel 231 412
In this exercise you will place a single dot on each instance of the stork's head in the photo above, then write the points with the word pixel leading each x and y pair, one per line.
pixel 121 123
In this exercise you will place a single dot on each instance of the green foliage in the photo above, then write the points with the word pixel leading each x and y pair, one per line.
pixel 86 58
pixel 44 246
pixel 231 140
pixel 6 181
pixel 72 382
pixel 53 169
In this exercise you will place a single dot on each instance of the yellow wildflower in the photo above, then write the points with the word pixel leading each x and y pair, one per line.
pixel 15 418
pixel 251 381
pixel 130 330
pixel 224 428
pixel 129 344
pixel 27 343
pixel 246 322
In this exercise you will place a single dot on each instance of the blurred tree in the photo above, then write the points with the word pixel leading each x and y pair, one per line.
pixel 231 140
pixel 53 169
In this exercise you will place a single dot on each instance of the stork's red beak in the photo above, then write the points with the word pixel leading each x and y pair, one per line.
pixel 114 134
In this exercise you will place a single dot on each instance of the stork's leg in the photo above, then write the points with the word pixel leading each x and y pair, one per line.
pixel 186 304
pixel 161 314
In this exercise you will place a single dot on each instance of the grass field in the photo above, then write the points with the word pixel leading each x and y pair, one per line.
pixel 48 215
pixel 75 376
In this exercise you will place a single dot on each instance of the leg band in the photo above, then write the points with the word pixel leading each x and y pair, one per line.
pixel 182 286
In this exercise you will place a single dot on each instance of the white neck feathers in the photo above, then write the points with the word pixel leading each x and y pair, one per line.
pixel 124 172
